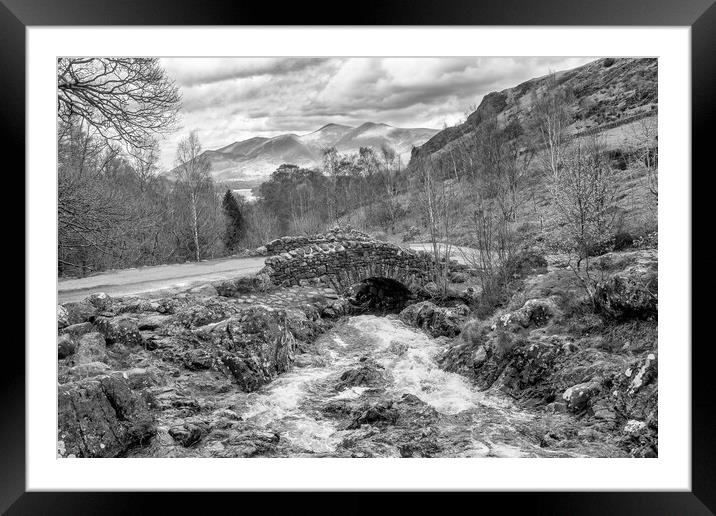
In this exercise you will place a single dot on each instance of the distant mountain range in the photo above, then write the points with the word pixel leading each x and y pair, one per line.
pixel 251 161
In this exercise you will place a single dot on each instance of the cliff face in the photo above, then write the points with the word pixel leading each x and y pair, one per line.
pixel 601 93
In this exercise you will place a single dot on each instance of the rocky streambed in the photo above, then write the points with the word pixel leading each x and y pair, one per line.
pixel 239 369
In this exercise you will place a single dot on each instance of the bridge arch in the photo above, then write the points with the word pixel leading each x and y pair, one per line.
pixel 343 264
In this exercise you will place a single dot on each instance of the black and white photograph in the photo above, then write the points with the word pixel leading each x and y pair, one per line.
pixel 357 257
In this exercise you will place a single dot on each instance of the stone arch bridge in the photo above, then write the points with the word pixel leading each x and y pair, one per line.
pixel 341 264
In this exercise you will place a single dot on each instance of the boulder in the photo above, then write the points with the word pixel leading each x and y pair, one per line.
pixel 260 282
pixel 100 301
pixel 380 414
pixel 140 377
pixel 253 346
pixel 527 367
pixel 623 297
pixel 66 345
pixel 167 305
pixel 435 320
pixel 153 322
pixel 91 348
pixel 336 308
pixel 369 374
pixel 75 313
pixel 120 330
pixel 186 434
pixel 639 438
pixel 209 310
pixel 77 330
pixel 101 417
pixel 644 375
pixel 62 317
pixel 89 370
pixel 588 365
pixel 636 389
pixel 631 288
pixel 534 313
pixel 577 397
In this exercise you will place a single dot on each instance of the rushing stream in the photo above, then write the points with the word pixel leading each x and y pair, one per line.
pixel 371 387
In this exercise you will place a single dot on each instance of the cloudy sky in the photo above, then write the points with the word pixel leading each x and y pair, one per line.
pixel 232 99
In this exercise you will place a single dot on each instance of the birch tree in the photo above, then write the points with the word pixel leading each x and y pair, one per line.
pixel 192 172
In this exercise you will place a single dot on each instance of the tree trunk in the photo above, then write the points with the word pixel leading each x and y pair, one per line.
pixel 196 226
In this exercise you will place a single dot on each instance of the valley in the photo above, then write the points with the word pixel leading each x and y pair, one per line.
pixel 489 289
pixel 252 161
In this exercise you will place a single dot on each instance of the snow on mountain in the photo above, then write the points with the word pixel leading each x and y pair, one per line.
pixel 252 161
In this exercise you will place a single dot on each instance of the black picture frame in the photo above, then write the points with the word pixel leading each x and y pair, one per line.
pixel 700 15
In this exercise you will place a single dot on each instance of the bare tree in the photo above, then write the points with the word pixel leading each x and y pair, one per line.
pixel 550 120
pixel 584 190
pixel 145 164
pixel 646 152
pixel 109 112
pixel 123 100
pixel 263 225
pixel 495 246
pixel 192 171
pixel 389 179
pixel 436 198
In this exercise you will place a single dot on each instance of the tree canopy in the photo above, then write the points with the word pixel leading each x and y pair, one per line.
pixel 125 101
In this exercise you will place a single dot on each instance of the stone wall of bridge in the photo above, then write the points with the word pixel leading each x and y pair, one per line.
pixel 342 264
pixel 289 243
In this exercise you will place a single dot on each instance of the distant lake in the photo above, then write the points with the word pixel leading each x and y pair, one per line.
pixel 246 193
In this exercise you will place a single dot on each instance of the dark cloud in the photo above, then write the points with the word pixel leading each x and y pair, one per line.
pixel 196 71
pixel 230 99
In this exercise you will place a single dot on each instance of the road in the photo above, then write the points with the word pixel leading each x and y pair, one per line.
pixel 157 279
pixel 165 279
pixel 456 253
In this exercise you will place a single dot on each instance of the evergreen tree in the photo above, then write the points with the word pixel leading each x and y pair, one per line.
pixel 235 226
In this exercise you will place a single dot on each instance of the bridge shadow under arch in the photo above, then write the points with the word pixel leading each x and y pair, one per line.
pixel 380 294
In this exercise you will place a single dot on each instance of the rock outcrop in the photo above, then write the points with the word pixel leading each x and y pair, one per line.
pixel 435 320
pixel 137 372
pixel 101 417
pixel 557 354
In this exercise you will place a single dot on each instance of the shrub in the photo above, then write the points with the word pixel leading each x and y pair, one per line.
pixel 647 240
pixel 619 159
pixel 385 214
pixel 600 247
pixel 411 234
pixel 524 263
pixel 622 240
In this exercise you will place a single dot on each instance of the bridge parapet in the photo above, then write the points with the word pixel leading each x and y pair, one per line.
pixel 342 264
pixel 289 243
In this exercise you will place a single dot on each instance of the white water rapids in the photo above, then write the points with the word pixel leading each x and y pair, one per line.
pixel 464 423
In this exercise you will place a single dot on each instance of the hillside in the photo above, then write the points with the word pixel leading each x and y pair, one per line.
pixel 603 93
pixel 251 161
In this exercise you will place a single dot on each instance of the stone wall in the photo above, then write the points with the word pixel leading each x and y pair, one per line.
pixel 289 243
pixel 343 264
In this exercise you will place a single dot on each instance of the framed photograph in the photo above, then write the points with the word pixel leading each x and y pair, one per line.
pixel 427 251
